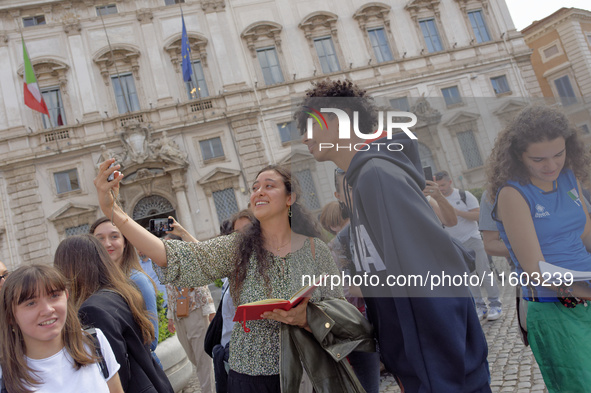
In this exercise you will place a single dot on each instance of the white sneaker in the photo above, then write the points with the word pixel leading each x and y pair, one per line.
pixel 481 312
pixel 494 313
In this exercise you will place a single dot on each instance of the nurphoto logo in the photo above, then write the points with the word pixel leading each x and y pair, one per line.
pixel 392 122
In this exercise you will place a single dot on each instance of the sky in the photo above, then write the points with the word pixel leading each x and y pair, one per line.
pixel 524 12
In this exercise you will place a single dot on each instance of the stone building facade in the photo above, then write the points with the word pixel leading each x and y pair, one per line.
pixel 110 71
pixel 561 57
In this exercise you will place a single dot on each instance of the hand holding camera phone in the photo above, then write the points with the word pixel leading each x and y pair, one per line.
pixel 112 175
pixel 428 173
pixel 161 225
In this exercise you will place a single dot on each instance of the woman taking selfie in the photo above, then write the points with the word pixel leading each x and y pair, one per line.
pixel 267 261
pixel 536 170
pixel 109 301
pixel 42 346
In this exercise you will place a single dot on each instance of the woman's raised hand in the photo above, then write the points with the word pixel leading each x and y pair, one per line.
pixel 103 186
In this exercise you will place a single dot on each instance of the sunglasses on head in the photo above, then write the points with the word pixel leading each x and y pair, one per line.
pixel 4 275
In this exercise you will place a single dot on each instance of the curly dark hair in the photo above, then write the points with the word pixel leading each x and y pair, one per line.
pixel 252 240
pixel 331 94
pixel 534 124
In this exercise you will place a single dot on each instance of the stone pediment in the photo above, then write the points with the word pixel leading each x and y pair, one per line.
pixel 72 210
pixel 510 107
pixel 461 118
pixel 296 157
pixel 219 174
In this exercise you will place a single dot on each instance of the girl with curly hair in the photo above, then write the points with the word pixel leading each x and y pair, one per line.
pixel 535 171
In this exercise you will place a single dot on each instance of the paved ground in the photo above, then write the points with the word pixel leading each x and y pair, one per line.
pixel 513 367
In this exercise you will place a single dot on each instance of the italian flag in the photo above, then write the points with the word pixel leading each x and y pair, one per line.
pixel 33 97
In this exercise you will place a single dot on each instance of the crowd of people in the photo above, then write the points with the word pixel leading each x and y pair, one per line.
pixel 90 321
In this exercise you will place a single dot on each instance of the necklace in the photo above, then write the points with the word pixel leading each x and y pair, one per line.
pixel 280 247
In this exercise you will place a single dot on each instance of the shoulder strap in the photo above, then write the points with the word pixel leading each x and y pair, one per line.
pixel 99 354
pixel 2 386
pixel 463 196
pixel 312 247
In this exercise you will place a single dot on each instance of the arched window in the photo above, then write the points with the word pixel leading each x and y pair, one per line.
pixel 152 206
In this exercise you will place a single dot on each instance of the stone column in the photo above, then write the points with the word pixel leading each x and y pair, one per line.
pixel 145 18
pixel 183 210
pixel 80 67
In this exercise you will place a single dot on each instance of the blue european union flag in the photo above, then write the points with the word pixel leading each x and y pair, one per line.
pixel 186 54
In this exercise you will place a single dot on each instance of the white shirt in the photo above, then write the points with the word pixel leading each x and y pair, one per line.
pixel 57 372
pixel 464 229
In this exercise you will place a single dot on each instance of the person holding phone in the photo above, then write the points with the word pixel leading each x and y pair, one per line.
pixel 269 260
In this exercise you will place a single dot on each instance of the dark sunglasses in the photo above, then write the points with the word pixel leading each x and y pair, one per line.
pixel 4 275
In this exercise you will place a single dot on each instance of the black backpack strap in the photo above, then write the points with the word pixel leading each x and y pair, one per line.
pixel 2 387
pixel 463 196
pixel 97 349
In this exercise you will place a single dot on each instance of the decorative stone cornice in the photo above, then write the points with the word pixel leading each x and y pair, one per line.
pixel 373 12
pixel 465 3
pixel 144 15
pixel 318 23
pixel 416 6
pixel 209 6
pixel 124 54
pixel 46 68
pixel 72 28
pixel 197 42
pixel 260 31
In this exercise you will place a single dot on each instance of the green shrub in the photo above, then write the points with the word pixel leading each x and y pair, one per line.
pixel 163 332
pixel 477 192
pixel 218 283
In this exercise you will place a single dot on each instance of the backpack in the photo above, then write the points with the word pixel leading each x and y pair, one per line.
pixel 213 336
pixel 102 363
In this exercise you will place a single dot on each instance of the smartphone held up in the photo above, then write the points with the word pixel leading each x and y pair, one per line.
pixel 159 226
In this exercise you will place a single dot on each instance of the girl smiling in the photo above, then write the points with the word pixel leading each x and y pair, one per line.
pixel 42 345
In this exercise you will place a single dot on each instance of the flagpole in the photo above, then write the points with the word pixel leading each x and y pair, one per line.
pixel 125 98
pixel 32 69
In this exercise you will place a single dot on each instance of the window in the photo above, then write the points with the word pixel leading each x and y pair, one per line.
pixel 308 189
pixel 53 99
pixel 270 65
pixel 478 26
pixel 126 97
pixel 196 87
pixel 451 96
pixel 379 43
pixel 225 203
pixel 172 2
pixel 500 84
pixel 400 104
pixel 288 132
pixel 79 230
pixel 211 148
pixel 469 149
pixel 551 51
pixel 565 91
pixel 327 55
pixel 66 181
pixel 431 35
pixel 105 10
pixel 34 21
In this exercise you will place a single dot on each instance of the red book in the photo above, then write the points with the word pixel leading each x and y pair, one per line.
pixel 252 311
